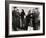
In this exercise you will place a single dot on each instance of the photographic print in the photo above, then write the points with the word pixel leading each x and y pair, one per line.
pixel 25 19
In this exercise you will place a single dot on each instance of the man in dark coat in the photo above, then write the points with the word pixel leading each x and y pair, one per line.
pixel 22 19
pixel 35 20
pixel 22 15
pixel 15 19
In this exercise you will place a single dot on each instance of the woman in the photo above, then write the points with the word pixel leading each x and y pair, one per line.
pixel 14 16
pixel 28 19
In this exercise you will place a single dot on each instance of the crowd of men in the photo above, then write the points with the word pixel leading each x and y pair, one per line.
pixel 21 21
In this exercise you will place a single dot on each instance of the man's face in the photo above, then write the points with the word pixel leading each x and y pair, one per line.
pixel 36 10
pixel 15 9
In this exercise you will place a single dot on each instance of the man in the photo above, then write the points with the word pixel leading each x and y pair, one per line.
pixel 22 19
pixel 18 18
pixel 22 16
pixel 35 16
pixel 14 18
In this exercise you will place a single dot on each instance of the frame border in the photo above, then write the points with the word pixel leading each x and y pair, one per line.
pixel 7 18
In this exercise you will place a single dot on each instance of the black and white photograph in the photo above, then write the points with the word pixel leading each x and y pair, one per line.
pixel 25 18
